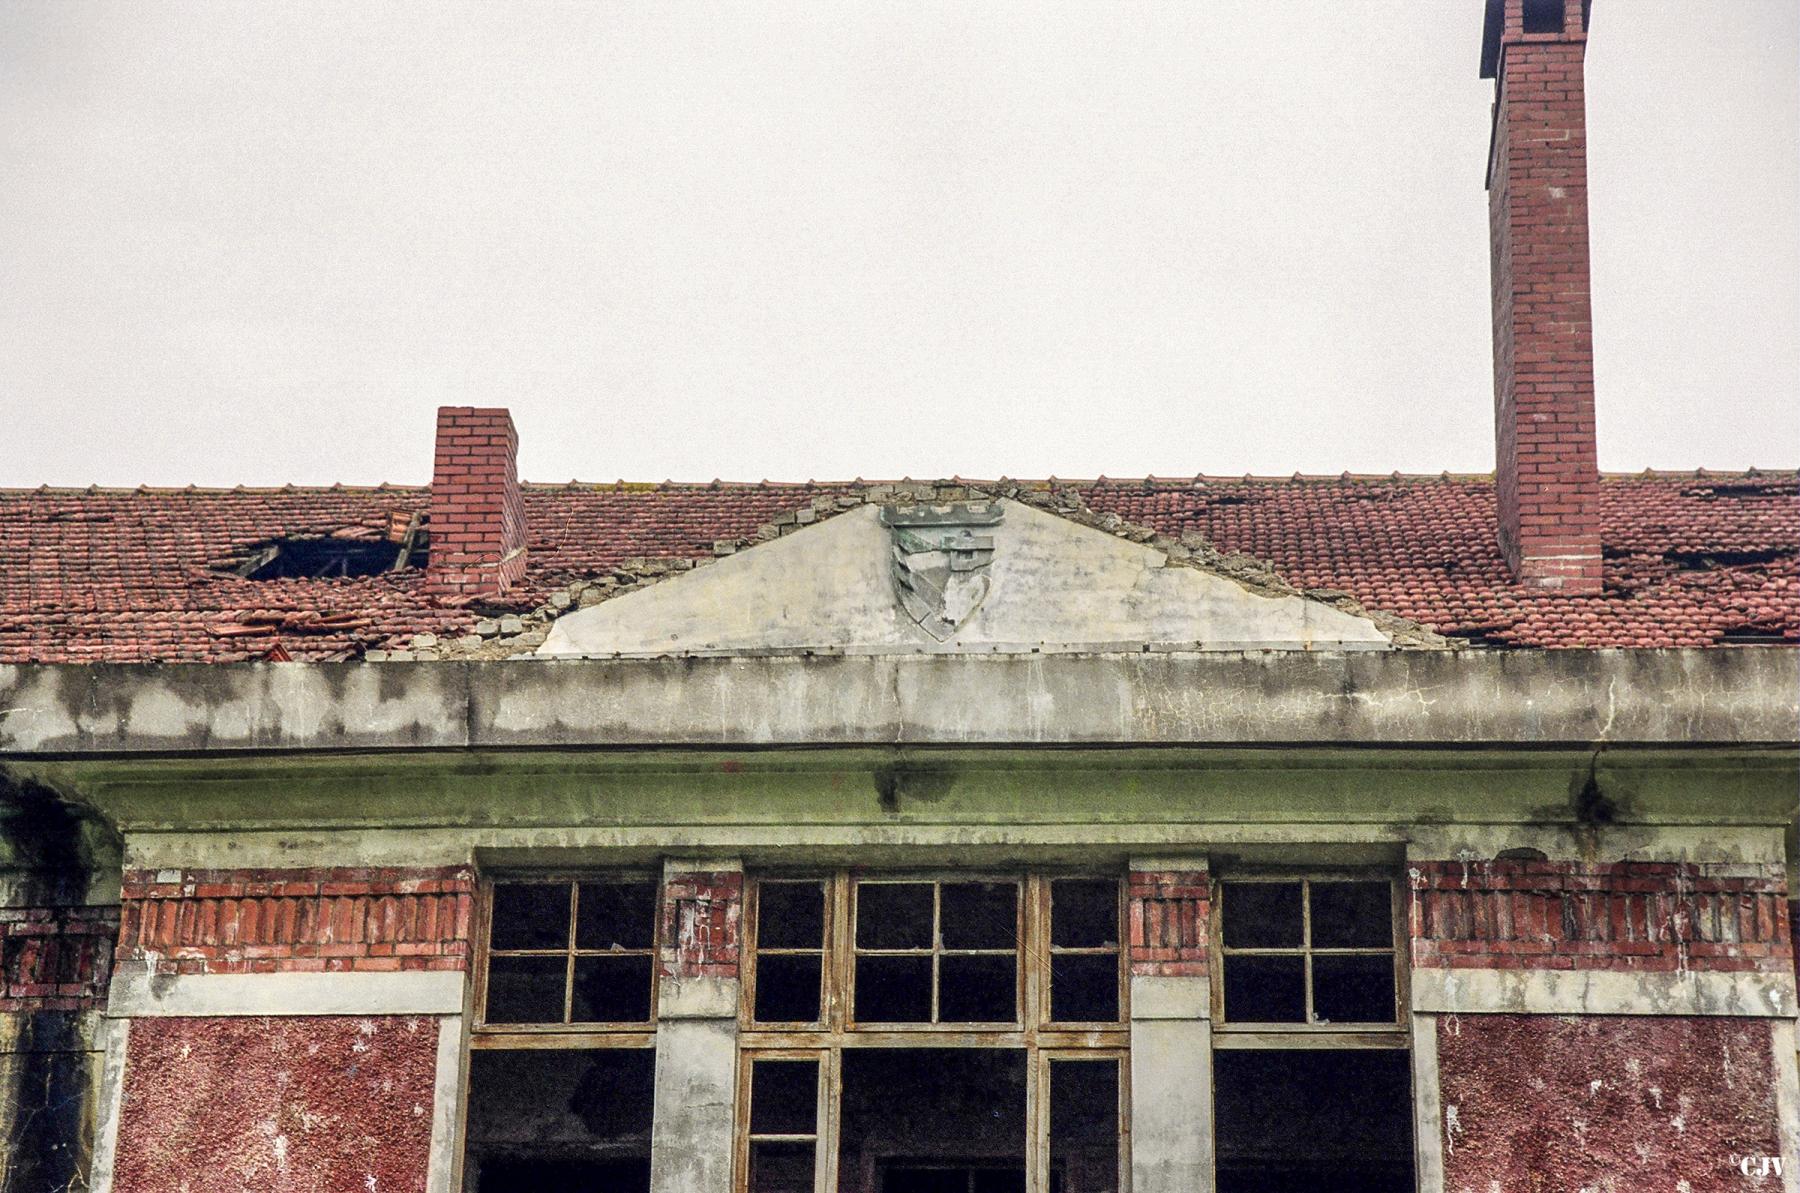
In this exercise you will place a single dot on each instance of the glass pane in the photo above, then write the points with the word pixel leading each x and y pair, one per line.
pixel 787 988
pixel 1262 915
pixel 980 915
pixel 542 1119
pixel 784 1097
pixel 616 915
pixel 979 989
pixel 790 915
pixel 1265 989
pixel 1084 913
pixel 778 1168
pixel 531 915
pixel 613 989
pixel 1084 987
pixel 1354 989
pixel 893 915
pixel 526 989
pixel 1084 1126
pixel 893 989
pixel 1352 915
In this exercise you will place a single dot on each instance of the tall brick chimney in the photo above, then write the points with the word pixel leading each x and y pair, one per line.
pixel 1547 473
pixel 477 520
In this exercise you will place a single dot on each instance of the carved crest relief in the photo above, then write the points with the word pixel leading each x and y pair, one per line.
pixel 940 561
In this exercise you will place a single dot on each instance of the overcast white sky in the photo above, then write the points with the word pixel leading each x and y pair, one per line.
pixel 260 242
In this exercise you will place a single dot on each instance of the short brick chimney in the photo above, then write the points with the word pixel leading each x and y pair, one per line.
pixel 477 519
pixel 1547 474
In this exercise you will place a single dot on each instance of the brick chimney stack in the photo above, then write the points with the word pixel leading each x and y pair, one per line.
pixel 1547 473
pixel 477 519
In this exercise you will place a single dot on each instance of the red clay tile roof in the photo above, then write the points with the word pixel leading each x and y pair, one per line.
pixel 127 576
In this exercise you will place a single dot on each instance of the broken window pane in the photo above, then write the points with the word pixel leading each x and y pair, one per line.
pixel 1313 1119
pixel 612 989
pixel 1352 915
pixel 1084 987
pixel 977 989
pixel 784 1097
pixel 1265 989
pixel 531 915
pixel 1262 915
pixel 894 915
pixel 1084 1126
pixel 560 1119
pixel 526 989
pixel 787 988
pixel 1353 989
pixel 790 915
pixel 616 915
pixel 980 915
pixel 1084 913
pixel 893 989
pixel 932 1120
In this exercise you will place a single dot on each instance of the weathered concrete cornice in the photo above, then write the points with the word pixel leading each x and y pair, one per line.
pixel 1745 696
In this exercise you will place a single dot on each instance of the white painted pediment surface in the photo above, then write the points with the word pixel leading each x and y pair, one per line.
pixel 1052 585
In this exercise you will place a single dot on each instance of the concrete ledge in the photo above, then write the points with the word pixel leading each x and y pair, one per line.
pixel 1601 992
pixel 137 995
pixel 1747 696
pixel 697 998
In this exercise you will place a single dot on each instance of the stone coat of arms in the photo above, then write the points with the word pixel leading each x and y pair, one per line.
pixel 940 561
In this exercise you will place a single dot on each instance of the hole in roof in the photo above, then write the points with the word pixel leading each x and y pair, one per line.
pixel 1236 499
pixel 1480 635
pixel 1543 16
pixel 1754 635
pixel 1701 561
pixel 323 558
pixel 1746 488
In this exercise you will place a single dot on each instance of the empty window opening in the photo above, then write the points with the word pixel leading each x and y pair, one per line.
pixel 559 1119
pixel 790 951
pixel 1543 16
pixel 936 952
pixel 932 1120
pixel 1084 1126
pixel 785 1098
pixel 572 952
pixel 1288 1119
pixel 1308 952
pixel 1085 914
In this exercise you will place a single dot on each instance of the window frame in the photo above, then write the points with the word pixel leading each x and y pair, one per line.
pixel 1262 1034
pixel 626 1034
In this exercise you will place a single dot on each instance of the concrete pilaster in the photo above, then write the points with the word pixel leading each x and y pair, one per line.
pixel 696 1030
pixel 1171 1086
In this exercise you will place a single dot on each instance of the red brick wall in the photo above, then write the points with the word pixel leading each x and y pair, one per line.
pixel 1653 916
pixel 1541 1102
pixel 56 958
pixel 266 921
pixel 301 1105
pixel 702 916
pixel 1547 470
pixel 1169 922
pixel 477 512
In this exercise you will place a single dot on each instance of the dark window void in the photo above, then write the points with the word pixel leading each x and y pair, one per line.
pixel 1543 16
pixel 932 1120
pixel 1314 951
pixel 1084 950
pixel 1313 1119
pixel 784 1131
pixel 561 952
pixel 1084 1126
pixel 937 952
pixel 554 1119
pixel 790 951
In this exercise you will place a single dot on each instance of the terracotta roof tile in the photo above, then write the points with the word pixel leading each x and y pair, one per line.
pixel 126 576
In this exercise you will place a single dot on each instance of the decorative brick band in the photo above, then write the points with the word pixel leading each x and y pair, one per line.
pixel 1170 914
pixel 56 958
pixel 702 913
pixel 280 921
pixel 1653 916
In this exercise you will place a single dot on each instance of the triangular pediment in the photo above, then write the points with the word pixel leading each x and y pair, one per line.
pixel 979 577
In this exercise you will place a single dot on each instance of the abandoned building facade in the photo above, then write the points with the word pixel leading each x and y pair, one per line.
pixel 1371 834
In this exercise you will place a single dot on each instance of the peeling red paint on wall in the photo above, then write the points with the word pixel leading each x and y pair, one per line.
pixel 1537 1102
pixel 702 924
pixel 292 1105
pixel 1169 922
